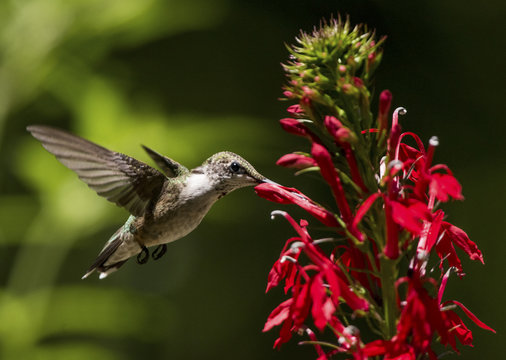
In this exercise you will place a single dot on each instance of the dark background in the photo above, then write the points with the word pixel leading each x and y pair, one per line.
pixel 190 78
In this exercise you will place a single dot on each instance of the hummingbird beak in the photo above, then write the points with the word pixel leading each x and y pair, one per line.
pixel 267 181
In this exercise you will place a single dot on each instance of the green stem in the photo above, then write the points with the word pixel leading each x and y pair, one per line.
pixel 388 276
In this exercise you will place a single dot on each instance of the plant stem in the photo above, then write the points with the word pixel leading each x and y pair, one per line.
pixel 388 276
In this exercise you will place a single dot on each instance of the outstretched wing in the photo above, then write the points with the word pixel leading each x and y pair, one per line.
pixel 171 168
pixel 119 178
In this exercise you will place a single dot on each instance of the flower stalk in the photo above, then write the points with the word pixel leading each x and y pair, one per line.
pixel 388 295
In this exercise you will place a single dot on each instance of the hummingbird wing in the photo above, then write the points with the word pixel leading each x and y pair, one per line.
pixel 123 180
pixel 170 168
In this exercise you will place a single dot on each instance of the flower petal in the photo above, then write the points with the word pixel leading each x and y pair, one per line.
pixel 410 217
pixel 364 208
pixel 460 238
pixel 285 195
pixel 322 308
pixel 444 185
pixel 278 315
pixel 471 316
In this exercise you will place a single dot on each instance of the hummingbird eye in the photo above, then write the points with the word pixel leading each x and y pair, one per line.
pixel 235 167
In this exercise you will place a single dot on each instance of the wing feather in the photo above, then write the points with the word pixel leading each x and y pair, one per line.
pixel 127 182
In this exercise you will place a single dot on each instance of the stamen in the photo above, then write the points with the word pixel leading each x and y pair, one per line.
pixel 397 112
pixel 394 167
pixel 434 141
pixel 295 247
pixel 324 240
pixel 289 258
pixel 395 133
pixel 448 307
pixel 277 213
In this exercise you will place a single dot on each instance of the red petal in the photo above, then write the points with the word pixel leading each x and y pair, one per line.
pixel 339 288
pixel 278 315
pixel 364 208
pixel 458 329
pixel 290 278
pixel 403 216
pixel 275 276
pixel 319 298
pixel 375 348
pixel 434 230
pixel 460 238
pixel 442 185
pixel 472 316
pixel 446 251
pixel 442 287
pixel 285 334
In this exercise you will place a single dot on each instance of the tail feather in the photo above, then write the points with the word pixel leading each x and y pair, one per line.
pixel 109 249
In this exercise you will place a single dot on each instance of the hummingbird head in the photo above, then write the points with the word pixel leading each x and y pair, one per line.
pixel 228 171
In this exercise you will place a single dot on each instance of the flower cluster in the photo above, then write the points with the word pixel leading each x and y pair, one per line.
pixel 386 231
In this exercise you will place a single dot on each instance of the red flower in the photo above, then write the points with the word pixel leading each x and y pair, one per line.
pixel 284 267
pixel 370 243
pixel 320 293
pixel 336 280
pixel 455 326
pixel 284 195
pixel 440 185
pixel 453 235
pixel 423 316
pixel 420 318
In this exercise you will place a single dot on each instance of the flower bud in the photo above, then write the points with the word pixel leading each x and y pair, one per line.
pixel 296 161
pixel 293 126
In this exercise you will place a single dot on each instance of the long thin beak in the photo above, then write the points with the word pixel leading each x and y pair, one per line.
pixel 267 181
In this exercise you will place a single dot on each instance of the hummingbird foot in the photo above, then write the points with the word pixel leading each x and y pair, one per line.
pixel 143 256
pixel 159 252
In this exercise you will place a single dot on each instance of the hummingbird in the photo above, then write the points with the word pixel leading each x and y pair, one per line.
pixel 164 205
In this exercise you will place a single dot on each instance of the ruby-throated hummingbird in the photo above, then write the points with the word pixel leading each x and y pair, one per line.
pixel 164 206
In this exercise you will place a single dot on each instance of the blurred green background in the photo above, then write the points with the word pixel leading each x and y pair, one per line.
pixel 190 78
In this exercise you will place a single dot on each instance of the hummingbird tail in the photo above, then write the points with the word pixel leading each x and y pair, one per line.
pixel 99 264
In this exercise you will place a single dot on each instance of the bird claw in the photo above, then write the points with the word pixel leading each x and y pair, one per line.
pixel 143 256
pixel 159 251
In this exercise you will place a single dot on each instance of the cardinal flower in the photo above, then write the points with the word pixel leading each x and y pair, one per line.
pixel 286 195
pixel 383 223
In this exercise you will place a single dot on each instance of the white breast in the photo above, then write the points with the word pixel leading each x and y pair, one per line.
pixel 197 185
